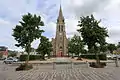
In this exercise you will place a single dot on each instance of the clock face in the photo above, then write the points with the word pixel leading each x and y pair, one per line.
pixel 60 33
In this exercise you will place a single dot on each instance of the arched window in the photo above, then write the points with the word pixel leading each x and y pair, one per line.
pixel 63 20
pixel 62 28
pixel 59 28
pixel 57 20
pixel 60 47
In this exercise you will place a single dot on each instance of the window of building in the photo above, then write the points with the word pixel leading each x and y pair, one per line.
pixel 59 28
pixel 63 20
pixel 60 38
pixel 60 47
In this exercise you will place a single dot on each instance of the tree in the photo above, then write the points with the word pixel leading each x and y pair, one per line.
pixel 93 35
pixel 118 45
pixel 1 55
pixel 12 53
pixel 103 48
pixel 70 47
pixel 76 45
pixel 117 52
pixel 27 31
pixel 111 48
pixel 45 47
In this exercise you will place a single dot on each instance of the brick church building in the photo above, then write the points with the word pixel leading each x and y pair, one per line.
pixel 60 42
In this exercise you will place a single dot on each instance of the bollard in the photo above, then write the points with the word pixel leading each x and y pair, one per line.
pixel 53 65
pixel 71 64
pixel 87 64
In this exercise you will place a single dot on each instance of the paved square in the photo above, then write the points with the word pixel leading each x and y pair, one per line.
pixel 62 72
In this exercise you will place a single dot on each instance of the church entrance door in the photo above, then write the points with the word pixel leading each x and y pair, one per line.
pixel 60 54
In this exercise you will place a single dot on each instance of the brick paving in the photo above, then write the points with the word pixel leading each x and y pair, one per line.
pixel 69 74
pixel 61 72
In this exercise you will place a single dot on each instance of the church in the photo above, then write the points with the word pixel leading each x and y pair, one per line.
pixel 60 42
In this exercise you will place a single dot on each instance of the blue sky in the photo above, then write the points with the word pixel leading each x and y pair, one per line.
pixel 12 10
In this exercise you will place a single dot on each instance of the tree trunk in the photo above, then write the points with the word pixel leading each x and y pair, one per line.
pixel 96 54
pixel 79 57
pixel 27 61
pixel 43 56
pixel 29 46
pixel 48 55
pixel 72 55
pixel 97 58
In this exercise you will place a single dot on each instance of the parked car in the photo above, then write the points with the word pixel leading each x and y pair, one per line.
pixel 2 58
pixel 10 60
pixel 118 56
pixel 111 56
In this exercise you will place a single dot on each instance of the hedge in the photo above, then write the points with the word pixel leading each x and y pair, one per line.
pixel 31 57
pixel 88 56
pixel 101 56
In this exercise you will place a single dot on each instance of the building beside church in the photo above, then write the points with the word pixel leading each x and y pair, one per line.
pixel 60 42
pixel 3 52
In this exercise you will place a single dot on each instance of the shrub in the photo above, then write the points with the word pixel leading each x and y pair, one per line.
pixel 24 67
pixel 89 56
pixel 23 57
pixel 31 57
pixel 79 58
pixel 95 65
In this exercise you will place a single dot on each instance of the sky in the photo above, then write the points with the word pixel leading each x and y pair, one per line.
pixel 11 12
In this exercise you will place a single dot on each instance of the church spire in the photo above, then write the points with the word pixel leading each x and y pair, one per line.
pixel 60 12
pixel 60 17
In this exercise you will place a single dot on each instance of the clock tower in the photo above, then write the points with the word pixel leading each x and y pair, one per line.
pixel 60 43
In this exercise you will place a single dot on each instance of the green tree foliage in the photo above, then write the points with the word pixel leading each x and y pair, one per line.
pixel 92 34
pixel 111 47
pixel 1 55
pixel 27 31
pixel 103 48
pixel 118 48
pixel 45 47
pixel 70 47
pixel 118 45
pixel 76 45
pixel 12 53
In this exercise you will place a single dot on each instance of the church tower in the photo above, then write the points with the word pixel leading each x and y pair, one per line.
pixel 60 42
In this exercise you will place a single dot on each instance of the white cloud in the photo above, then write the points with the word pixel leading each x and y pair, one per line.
pixel 12 10
pixel 10 14
pixel 50 29
pixel 106 10
pixel 6 38
pixel 71 27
